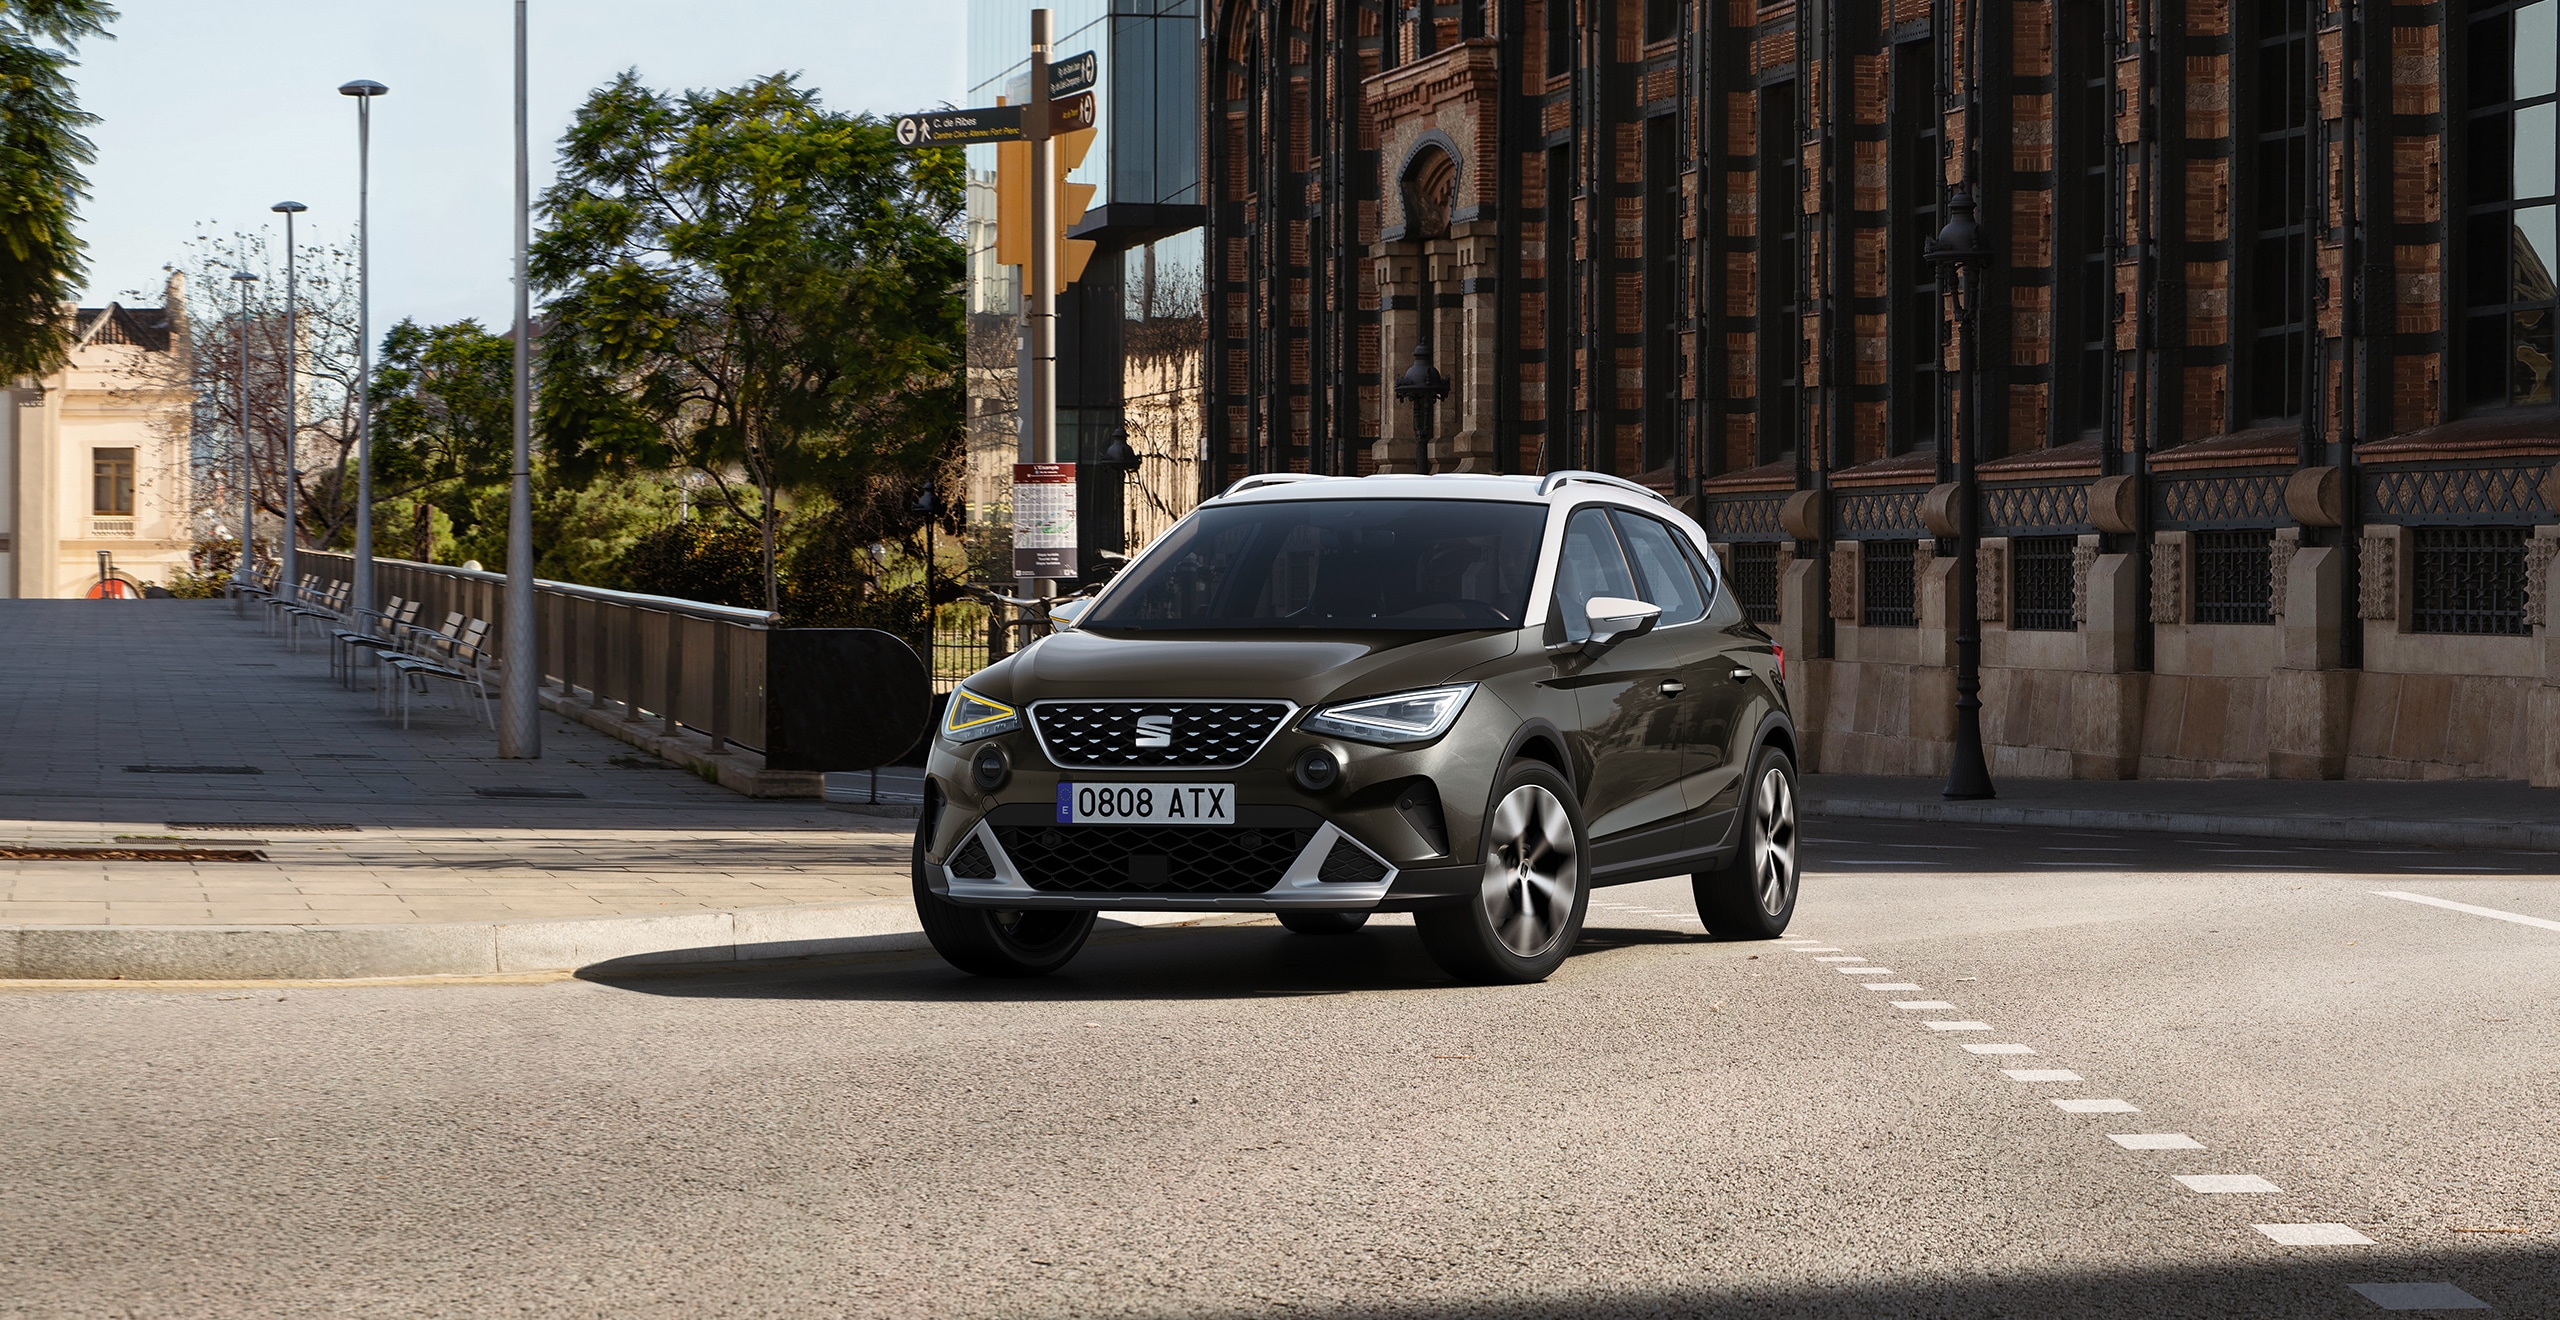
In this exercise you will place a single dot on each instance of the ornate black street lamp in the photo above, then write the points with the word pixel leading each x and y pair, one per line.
pixel 1959 253
pixel 1423 386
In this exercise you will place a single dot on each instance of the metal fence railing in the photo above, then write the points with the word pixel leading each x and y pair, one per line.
pixel 691 665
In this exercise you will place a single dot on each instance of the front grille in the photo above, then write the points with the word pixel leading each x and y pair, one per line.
pixel 1203 735
pixel 1152 859
pixel 1350 864
pixel 972 862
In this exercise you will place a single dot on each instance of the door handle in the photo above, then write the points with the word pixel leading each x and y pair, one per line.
pixel 1741 675
pixel 1672 687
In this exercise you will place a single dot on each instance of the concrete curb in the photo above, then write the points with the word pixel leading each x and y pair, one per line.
pixel 2450 834
pixel 738 770
pixel 315 953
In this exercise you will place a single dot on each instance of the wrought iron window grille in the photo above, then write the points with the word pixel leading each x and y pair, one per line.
pixel 2468 580
pixel 2041 583
pixel 1755 581
pixel 2234 577
pixel 1888 593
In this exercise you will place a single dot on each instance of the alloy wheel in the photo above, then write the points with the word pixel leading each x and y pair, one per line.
pixel 1530 870
pixel 1773 822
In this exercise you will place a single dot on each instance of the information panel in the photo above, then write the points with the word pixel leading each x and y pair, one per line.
pixel 1044 520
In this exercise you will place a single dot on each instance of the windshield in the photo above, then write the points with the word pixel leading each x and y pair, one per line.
pixel 1338 564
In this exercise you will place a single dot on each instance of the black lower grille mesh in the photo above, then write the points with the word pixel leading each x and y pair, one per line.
pixel 1349 864
pixel 1152 859
pixel 972 862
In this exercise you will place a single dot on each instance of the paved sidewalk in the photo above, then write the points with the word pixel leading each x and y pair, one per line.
pixel 2447 813
pixel 441 857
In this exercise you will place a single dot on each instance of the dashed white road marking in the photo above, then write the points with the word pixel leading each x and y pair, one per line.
pixel 2218 1183
pixel 1864 971
pixel 1959 1026
pixel 1891 985
pixel 2314 1235
pixel 2041 1074
pixel 2451 906
pixel 2419 1297
pixel 1922 1003
pixel 2093 1106
pixel 1841 957
pixel 1997 1049
pixel 2155 1141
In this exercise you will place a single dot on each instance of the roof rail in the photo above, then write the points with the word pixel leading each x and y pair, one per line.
pixel 1555 479
pixel 1269 479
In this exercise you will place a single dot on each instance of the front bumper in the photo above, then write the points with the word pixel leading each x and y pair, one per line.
pixel 1302 885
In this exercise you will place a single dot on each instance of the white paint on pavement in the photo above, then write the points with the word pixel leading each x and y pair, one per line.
pixel 1922 1003
pixel 2314 1235
pixel 2155 1141
pixel 2093 1106
pixel 2219 1183
pixel 1841 958
pixel 2419 1297
pixel 1997 1049
pixel 2451 906
pixel 1891 985
pixel 1959 1026
pixel 2041 1074
pixel 1864 971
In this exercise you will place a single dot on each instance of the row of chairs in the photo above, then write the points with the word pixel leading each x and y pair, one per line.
pixel 409 658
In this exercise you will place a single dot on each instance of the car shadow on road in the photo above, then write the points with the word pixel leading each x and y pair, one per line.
pixel 1184 962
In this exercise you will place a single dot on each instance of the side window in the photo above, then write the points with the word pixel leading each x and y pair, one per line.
pixel 1591 564
pixel 1668 581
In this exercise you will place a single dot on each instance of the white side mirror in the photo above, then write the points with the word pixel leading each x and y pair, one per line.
pixel 1616 618
pixel 1065 613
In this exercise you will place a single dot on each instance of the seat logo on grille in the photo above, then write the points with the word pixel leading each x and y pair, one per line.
pixel 1154 731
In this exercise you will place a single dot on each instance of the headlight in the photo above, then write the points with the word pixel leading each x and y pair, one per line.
pixel 971 717
pixel 1405 717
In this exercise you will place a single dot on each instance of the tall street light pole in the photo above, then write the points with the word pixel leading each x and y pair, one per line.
pixel 240 573
pixel 290 575
pixel 519 692
pixel 1959 253
pixel 364 90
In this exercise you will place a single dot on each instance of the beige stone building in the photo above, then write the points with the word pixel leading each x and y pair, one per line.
pixel 96 458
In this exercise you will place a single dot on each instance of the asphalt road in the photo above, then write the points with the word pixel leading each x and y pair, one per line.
pixel 1234 1121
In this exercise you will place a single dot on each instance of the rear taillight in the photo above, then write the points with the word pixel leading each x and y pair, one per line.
pixel 1782 662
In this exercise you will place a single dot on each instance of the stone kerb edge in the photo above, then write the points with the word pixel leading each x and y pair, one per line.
pixel 2445 834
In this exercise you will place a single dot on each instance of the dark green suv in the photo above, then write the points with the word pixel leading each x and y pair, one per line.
pixel 1472 698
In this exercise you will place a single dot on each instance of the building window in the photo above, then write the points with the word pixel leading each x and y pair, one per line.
pixel 2508 251
pixel 1888 593
pixel 2041 582
pixel 1755 580
pixel 2087 203
pixel 1559 37
pixel 1661 20
pixel 1918 179
pixel 111 484
pixel 1780 337
pixel 2469 580
pixel 2235 577
pixel 2279 335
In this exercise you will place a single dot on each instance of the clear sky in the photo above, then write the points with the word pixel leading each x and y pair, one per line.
pixel 216 110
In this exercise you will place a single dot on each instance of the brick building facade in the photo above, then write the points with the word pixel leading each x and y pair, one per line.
pixel 2264 407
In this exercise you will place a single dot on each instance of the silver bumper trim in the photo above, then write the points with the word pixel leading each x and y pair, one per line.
pixel 1298 887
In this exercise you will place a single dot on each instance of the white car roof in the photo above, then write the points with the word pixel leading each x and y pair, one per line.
pixel 1554 488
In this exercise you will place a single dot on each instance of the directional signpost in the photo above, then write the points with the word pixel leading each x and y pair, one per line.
pixel 1062 105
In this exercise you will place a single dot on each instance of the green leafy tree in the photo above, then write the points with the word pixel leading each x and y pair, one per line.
pixel 42 149
pixel 444 426
pixel 746 285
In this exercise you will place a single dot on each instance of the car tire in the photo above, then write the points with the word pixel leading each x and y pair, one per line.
pixel 995 941
pixel 1527 911
pixel 1753 896
pixel 1324 923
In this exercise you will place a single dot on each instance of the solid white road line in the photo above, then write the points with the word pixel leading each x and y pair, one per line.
pixel 2093 1106
pixel 1997 1049
pixel 1959 1026
pixel 1922 1003
pixel 2451 906
pixel 2155 1141
pixel 2214 1183
pixel 2041 1074
pixel 2419 1297
pixel 1891 985
pixel 2314 1235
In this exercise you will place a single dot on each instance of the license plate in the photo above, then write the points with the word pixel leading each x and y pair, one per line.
pixel 1146 804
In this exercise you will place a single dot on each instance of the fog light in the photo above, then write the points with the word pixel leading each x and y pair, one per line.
pixel 1317 770
pixel 988 769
